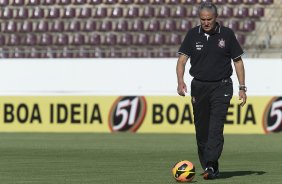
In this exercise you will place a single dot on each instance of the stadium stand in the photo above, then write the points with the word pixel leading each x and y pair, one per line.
pixel 127 28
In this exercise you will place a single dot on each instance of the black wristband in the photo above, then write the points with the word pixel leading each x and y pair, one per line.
pixel 243 88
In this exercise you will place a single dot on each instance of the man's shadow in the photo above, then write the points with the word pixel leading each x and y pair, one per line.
pixel 230 174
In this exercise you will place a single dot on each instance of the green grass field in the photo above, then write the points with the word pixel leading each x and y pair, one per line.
pixel 131 158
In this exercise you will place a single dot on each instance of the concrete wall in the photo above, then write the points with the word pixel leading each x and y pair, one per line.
pixel 120 76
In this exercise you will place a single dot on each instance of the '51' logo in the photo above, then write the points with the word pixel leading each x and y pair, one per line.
pixel 127 114
pixel 273 116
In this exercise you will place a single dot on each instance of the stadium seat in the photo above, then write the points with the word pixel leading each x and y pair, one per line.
pixel 138 25
pixel 194 12
pixel 174 54
pixel 169 26
pixel 251 2
pixel 110 39
pixel 164 12
pixel 84 13
pixel 33 2
pixel 26 27
pixel 110 1
pixel 94 39
pixel 14 40
pixel 121 26
pixel 132 12
pixel 101 12
pixel 226 12
pixel 65 53
pixel 10 27
pixel 83 25
pixel 33 53
pixel 83 53
pixel 130 53
pixel 49 53
pixel 144 2
pixel 89 26
pixel 4 53
pixel 115 53
pixel 117 12
pixel 142 39
pixel 233 24
pixel 159 2
pixel 242 12
pixel 95 2
pixel 163 54
pixel 184 26
pixel 2 40
pixel 158 39
pixel 257 12
pixel 174 39
pixel 64 2
pixel 221 2
pixel 236 2
pixel 154 25
pixel 99 53
pixel 21 13
pixel 53 13
pixel 106 26
pixel 74 26
pixel 248 26
pixel 17 53
pixel 41 26
pixel 68 13
pixel 266 2
pixel 62 39
pixel 7 13
pixel 30 39
pixel 241 38
pixel 125 39
pixel 78 39
pixel 174 2
pixel 126 1
pixel 48 2
pixel 145 53
pixel 4 2
pixel 18 2
pixel 57 26
pixel 180 12
pixel 190 2
pixel 45 39
pixel 37 13
pixel 79 2
pixel 148 12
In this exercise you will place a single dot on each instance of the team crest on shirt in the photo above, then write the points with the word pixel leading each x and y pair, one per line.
pixel 221 43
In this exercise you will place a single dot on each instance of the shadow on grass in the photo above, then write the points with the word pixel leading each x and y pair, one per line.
pixel 230 174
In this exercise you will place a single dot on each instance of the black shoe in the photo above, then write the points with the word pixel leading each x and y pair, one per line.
pixel 210 173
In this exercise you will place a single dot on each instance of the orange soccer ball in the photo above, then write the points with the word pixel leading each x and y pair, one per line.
pixel 183 171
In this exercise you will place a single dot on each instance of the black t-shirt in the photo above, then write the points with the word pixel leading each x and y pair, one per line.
pixel 210 55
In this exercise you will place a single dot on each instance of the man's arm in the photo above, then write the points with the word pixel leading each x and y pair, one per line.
pixel 240 71
pixel 180 69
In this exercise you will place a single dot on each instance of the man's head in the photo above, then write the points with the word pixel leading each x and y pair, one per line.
pixel 208 14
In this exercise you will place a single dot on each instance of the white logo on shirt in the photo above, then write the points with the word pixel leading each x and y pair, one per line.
pixel 221 43
pixel 199 45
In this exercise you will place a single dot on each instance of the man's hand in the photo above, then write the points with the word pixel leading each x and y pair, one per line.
pixel 243 97
pixel 180 69
pixel 181 88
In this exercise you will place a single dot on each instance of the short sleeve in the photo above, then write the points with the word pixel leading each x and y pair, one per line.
pixel 235 49
pixel 186 45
